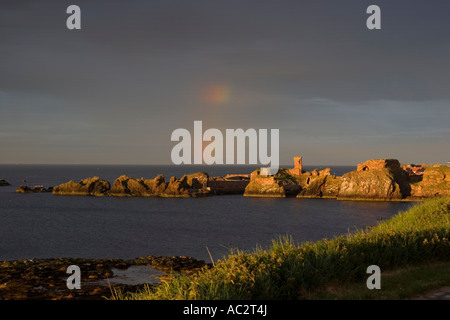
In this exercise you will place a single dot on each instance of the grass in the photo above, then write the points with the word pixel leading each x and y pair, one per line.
pixel 288 270
pixel 405 283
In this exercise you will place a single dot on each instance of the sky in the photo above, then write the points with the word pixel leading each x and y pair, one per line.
pixel 114 91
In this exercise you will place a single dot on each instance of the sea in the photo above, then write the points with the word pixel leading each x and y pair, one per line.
pixel 42 225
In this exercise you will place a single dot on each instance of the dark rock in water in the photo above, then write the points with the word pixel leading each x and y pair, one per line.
pixel 45 279
pixel 35 189
pixel 87 187
pixel 4 183
pixel 176 263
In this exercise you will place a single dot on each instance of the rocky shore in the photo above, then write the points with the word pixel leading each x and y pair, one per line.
pixel 191 185
pixel 45 279
pixel 35 189
pixel 373 180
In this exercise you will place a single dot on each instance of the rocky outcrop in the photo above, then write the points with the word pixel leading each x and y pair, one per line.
pixel 44 279
pixel 369 185
pixel 4 183
pixel 319 186
pixel 435 182
pixel 125 186
pixel 379 179
pixel 313 184
pixel 35 189
pixel 278 186
pixel 264 187
pixel 190 185
pixel 187 186
pixel 87 187
pixel 382 179
pixel 373 180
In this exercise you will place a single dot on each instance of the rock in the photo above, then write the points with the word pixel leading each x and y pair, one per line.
pixel 375 180
pixel 325 172
pixel 279 186
pixel 264 187
pixel 331 187
pixel 35 189
pixel 170 264
pixel 87 187
pixel 125 186
pixel 435 181
pixel 322 186
pixel 4 183
pixel 187 186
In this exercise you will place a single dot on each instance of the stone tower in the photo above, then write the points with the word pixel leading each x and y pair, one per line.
pixel 298 163
pixel 297 170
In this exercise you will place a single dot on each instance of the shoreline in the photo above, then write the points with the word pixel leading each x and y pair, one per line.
pixel 45 279
pixel 373 180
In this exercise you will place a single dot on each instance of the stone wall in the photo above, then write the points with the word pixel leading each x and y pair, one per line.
pixel 237 175
pixel 227 187
pixel 264 181
pixel 379 164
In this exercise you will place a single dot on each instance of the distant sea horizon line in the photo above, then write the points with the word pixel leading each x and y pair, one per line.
pixel 168 165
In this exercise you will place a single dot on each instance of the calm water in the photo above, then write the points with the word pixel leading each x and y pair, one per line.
pixel 49 226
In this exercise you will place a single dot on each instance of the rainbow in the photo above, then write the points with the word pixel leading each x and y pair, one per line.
pixel 217 94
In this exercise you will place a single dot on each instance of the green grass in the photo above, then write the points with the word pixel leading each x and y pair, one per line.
pixel 296 271
pixel 283 175
pixel 405 283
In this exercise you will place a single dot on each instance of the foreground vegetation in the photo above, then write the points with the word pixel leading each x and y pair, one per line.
pixel 286 270
pixel 412 282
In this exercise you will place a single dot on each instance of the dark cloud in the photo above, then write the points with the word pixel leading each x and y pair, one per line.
pixel 136 70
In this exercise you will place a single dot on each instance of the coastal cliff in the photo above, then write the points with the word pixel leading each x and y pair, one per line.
pixel 369 185
pixel 373 180
pixel 320 186
pixel 381 179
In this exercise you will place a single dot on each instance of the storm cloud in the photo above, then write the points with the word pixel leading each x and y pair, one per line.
pixel 137 70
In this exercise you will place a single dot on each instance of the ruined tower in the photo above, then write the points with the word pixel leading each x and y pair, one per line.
pixel 297 170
